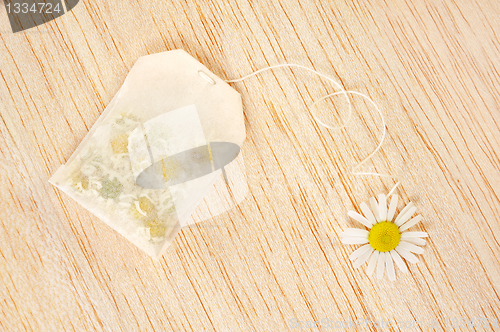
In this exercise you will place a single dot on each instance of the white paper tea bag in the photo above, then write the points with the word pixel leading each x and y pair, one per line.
pixel 158 151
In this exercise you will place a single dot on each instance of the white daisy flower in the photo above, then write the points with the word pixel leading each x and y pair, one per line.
pixel 386 241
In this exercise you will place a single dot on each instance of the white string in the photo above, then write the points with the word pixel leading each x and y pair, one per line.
pixel 354 170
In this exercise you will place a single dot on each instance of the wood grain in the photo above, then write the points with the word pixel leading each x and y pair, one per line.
pixel 431 65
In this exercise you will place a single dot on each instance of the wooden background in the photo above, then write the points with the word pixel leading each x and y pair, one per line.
pixel 433 67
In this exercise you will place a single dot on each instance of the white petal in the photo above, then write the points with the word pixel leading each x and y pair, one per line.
pixel 392 207
pixel 354 240
pixel 415 240
pixel 362 259
pixel 374 205
pixel 410 223
pixel 405 209
pixel 382 207
pixel 354 232
pixel 368 213
pixel 399 262
pixel 356 216
pixel 389 265
pixel 372 263
pixel 401 219
pixel 381 265
pixel 411 247
pixel 407 255
pixel 406 235
pixel 360 251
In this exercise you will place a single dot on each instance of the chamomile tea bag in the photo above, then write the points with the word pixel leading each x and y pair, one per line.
pixel 168 143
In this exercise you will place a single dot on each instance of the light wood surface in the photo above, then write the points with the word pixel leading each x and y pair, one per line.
pixel 433 67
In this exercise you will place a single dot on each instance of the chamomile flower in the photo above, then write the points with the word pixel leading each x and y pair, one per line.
pixel 386 241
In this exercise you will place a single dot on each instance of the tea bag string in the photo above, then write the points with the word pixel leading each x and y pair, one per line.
pixel 355 170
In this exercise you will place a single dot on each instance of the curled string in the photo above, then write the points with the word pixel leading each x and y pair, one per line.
pixel 355 169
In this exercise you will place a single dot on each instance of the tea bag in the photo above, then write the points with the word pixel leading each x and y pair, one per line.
pixel 168 142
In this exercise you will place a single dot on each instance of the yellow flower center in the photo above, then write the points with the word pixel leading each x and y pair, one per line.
pixel 384 236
